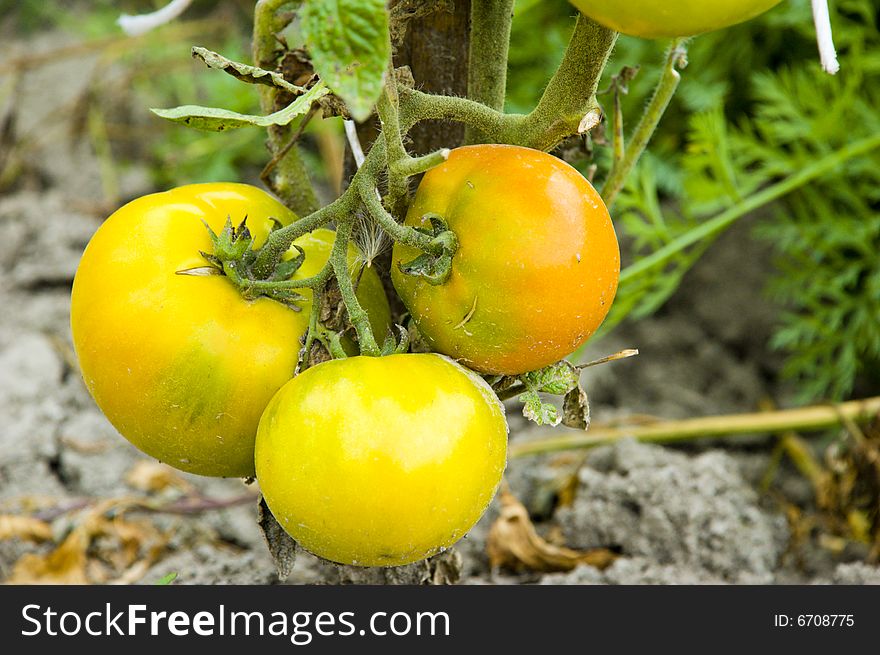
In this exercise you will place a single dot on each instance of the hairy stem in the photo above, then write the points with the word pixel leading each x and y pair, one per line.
pixel 389 116
pixel 818 417
pixel 669 79
pixel 314 316
pixel 397 231
pixel 356 313
pixel 571 93
pixel 417 106
pixel 279 241
pixel 487 61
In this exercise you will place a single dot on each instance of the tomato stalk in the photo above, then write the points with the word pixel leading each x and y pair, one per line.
pixel 676 58
pixel 570 95
pixel 487 62
pixel 814 418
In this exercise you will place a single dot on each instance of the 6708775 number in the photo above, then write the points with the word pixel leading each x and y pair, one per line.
pixel 814 620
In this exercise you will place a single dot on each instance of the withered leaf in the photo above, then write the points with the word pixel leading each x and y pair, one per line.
pixel 514 544
pixel 24 527
pixel 281 545
pixel 64 565
pixel 576 409
pixel 151 477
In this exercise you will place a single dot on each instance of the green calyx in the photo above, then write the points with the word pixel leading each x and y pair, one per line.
pixel 233 255
pixel 435 265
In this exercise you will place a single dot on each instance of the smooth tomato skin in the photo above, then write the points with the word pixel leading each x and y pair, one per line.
pixel 183 365
pixel 381 461
pixel 537 265
pixel 670 18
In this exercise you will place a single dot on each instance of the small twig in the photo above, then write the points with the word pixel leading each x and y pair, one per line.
pixel 622 354
pixel 817 417
pixel 278 156
pixel 669 80
pixel 197 504
pixel 192 504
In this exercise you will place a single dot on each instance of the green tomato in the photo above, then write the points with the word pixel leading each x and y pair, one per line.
pixel 671 18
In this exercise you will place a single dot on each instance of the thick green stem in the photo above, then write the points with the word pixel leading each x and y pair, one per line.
pixel 654 111
pixel 397 231
pixel 567 107
pixel 388 110
pixel 418 106
pixel 312 333
pixel 290 179
pixel 415 165
pixel 356 313
pixel 279 241
pixel 570 97
pixel 716 225
pixel 487 61
pixel 314 282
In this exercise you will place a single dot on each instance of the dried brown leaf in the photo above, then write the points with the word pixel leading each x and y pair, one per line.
pixel 24 527
pixel 64 565
pixel 514 544
pixel 152 477
pixel 576 409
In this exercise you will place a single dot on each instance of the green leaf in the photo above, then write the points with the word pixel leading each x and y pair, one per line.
pixel 166 579
pixel 350 47
pixel 538 411
pixel 558 378
pixel 214 119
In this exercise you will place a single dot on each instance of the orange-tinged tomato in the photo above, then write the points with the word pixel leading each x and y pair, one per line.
pixel 671 18
pixel 537 265
pixel 183 365
pixel 381 461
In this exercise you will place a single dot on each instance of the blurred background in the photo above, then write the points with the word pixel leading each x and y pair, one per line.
pixel 781 309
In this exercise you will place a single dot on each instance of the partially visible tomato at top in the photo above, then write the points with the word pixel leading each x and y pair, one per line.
pixel 671 18
pixel 183 365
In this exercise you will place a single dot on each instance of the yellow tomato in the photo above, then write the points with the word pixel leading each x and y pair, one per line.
pixel 183 365
pixel 381 461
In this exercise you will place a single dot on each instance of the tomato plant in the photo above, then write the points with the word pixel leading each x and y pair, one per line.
pixel 505 258
pixel 536 266
pixel 655 18
pixel 381 461
pixel 182 364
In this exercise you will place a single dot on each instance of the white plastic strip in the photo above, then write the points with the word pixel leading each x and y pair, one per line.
pixel 355 143
pixel 143 23
pixel 827 53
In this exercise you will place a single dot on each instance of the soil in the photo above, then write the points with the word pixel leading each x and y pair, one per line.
pixel 689 515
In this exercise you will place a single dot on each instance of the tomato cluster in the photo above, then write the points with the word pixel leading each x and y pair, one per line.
pixel 374 461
